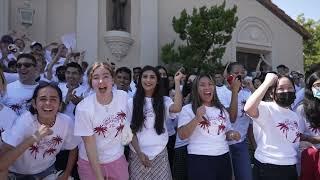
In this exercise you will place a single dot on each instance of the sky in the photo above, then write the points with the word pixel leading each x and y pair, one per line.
pixel 310 8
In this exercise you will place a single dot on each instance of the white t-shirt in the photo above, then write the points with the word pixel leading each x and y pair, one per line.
pixel 306 127
pixel 11 77
pixel 42 155
pixel 209 137
pixel 18 95
pixel 9 116
pixel 224 95
pixel 277 132
pixel 150 142
pixel 170 125
pixel 79 91
pixel 105 122
pixel 242 122
pixel 179 142
pixel 133 87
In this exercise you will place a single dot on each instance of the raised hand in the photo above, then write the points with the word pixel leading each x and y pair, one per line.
pixel 42 132
pixel 271 79
pixel 201 111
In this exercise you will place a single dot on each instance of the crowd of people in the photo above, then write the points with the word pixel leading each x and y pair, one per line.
pixel 60 119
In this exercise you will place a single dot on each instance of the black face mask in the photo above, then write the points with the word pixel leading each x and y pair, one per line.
pixel 285 99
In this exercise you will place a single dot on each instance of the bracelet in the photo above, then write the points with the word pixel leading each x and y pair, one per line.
pixel 36 137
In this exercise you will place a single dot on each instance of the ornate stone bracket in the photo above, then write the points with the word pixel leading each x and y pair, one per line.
pixel 119 43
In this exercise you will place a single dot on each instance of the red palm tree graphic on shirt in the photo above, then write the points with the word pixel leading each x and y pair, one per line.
pixel 100 130
pixel 49 152
pixel 205 124
pixel 111 122
pixel 34 150
pixel 121 116
pixel 287 126
pixel 48 146
pixel 222 120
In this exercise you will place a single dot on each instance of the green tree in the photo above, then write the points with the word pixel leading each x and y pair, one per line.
pixel 204 34
pixel 311 50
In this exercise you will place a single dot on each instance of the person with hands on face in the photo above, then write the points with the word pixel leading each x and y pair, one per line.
pixel 207 125
pixel 30 147
pixel 148 158
pixel 276 129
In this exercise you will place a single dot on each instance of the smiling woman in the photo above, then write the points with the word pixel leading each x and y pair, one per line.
pixel 39 134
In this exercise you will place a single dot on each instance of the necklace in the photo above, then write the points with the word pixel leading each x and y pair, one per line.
pixel 50 125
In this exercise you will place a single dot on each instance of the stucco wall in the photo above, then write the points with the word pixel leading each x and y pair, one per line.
pixel 55 18
pixel 286 43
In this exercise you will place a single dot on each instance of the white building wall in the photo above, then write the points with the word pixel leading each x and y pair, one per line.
pixel 287 45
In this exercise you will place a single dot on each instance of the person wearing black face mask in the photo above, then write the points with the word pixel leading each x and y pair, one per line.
pixel 276 129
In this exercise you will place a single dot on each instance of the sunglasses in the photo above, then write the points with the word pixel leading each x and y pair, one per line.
pixel 27 65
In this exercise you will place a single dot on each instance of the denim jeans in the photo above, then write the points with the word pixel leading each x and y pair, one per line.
pixel 241 161
pixel 43 174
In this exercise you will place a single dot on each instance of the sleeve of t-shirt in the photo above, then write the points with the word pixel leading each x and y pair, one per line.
pixel 83 124
pixel 71 141
pixel 264 113
pixel 167 103
pixel 185 116
pixel 21 129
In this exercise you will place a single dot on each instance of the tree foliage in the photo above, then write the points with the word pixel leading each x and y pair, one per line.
pixel 204 34
pixel 311 46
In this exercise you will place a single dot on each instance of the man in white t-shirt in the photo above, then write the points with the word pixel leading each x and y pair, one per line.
pixel 136 74
pixel 123 79
pixel 240 121
pixel 224 94
pixel 72 91
pixel 20 92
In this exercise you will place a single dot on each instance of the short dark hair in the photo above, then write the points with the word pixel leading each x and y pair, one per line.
pixel 125 70
pixel 12 63
pixel 28 56
pixel 139 68
pixel 231 65
pixel 7 39
pixel 75 65
pixel 282 66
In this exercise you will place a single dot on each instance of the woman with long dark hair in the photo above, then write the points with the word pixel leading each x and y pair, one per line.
pixel 276 129
pixel 310 113
pixel 207 125
pixel 148 157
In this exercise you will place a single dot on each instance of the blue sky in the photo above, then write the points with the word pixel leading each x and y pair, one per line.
pixel 293 8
